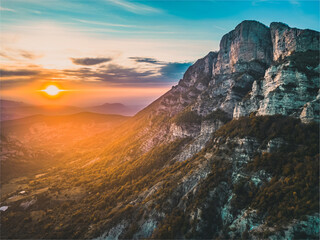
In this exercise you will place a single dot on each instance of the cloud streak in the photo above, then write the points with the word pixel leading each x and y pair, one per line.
pixel 146 60
pixel 21 76
pixel 135 7
pixel 28 55
pixel 174 70
pixel 107 24
pixel 18 73
pixel 169 70
pixel 7 9
pixel 89 61
pixel 18 54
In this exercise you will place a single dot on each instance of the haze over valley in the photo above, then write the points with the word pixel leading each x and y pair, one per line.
pixel 14 110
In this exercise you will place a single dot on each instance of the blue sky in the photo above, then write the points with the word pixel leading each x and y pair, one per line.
pixel 160 18
pixel 56 39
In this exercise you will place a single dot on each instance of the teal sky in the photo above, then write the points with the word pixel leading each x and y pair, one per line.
pixel 122 43
pixel 166 19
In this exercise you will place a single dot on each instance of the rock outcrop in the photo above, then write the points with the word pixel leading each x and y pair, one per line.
pixel 285 89
pixel 249 41
pixel 286 40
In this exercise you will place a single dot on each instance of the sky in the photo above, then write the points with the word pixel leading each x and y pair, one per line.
pixel 119 50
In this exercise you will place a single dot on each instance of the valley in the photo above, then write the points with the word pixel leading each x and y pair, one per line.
pixel 39 142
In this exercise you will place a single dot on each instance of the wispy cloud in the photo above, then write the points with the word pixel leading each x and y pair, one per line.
pixel 36 11
pixel 294 2
pixel 12 83
pixel 12 77
pixel 28 55
pixel 174 70
pixel 134 7
pixel 18 73
pixel 146 60
pixel 107 24
pixel 220 28
pixel 171 71
pixel 18 54
pixel 7 9
pixel 4 55
pixel 89 61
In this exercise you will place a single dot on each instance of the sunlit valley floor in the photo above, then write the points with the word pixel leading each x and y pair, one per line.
pixel 230 152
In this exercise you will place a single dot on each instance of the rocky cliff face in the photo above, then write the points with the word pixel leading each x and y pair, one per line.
pixel 286 40
pixel 257 69
pixel 290 85
pixel 194 82
pixel 249 41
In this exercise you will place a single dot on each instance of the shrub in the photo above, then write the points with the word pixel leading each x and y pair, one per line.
pixel 187 117
pixel 219 115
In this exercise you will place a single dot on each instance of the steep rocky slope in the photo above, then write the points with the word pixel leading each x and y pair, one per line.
pixel 211 158
pixel 258 70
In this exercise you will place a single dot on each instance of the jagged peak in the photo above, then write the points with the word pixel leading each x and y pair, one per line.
pixel 287 40
pixel 278 25
pixel 282 26
pixel 249 41
pixel 245 26
pixel 211 54
pixel 248 23
pixel 203 64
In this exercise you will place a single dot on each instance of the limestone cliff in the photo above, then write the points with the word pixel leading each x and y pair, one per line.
pixel 286 40
pixel 257 69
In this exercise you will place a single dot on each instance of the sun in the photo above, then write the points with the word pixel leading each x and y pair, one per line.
pixel 52 90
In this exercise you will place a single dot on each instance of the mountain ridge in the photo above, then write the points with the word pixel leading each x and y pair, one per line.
pixel 15 110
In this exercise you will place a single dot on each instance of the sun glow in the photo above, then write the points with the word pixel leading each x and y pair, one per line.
pixel 52 90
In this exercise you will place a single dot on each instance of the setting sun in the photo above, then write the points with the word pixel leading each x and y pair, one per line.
pixel 52 90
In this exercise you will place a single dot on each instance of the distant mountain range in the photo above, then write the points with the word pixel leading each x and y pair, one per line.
pixel 14 110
